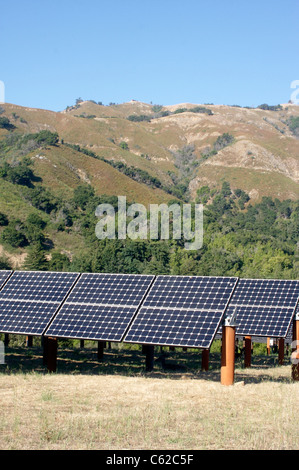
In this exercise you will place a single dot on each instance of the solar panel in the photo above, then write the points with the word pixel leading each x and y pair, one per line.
pixel 264 307
pixel 29 300
pixel 289 337
pixel 100 307
pixel 182 311
pixel 4 275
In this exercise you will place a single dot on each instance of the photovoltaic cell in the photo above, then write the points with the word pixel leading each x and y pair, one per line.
pixel 100 307
pixel 182 311
pixel 264 307
pixel 4 275
pixel 29 300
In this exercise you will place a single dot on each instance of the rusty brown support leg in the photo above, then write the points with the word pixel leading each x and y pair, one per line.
pixel 45 349
pixel 205 359
pixel 247 357
pixel 29 341
pixel 6 339
pixel 295 353
pixel 51 354
pixel 101 345
pixel 281 351
pixel 149 357
pixel 228 355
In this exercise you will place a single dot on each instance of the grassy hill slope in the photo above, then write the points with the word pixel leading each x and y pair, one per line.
pixel 263 159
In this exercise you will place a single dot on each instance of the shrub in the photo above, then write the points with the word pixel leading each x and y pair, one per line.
pixel 13 237
pixel 180 110
pixel 139 118
pixel 201 109
pixel 3 220
pixel 5 123
pixel 124 146
pixel 157 108
pixel 266 107
pixel 4 263
pixel 47 138
pixel 293 124
pixel 223 141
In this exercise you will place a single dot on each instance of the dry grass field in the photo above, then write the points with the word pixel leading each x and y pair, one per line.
pixel 115 405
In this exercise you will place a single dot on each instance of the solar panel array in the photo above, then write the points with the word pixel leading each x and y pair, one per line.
pixel 100 307
pixel 29 300
pixel 182 311
pixel 264 307
pixel 160 310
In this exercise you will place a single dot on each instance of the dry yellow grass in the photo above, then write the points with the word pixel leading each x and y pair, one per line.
pixel 63 411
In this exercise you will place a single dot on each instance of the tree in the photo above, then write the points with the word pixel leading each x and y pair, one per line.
pixel 36 220
pixel 36 259
pixel 82 195
pixel 13 237
pixel 19 173
pixel 47 137
pixel 34 234
pixel 41 198
pixel 203 195
pixel 58 262
pixel 3 220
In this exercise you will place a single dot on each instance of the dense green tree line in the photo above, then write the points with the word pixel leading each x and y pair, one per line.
pixel 240 238
pixel 248 240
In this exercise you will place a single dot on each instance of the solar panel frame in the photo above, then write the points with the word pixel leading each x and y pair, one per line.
pixel 20 309
pixel 284 309
pixel 121 307
pixel 4 276
pixel 193 327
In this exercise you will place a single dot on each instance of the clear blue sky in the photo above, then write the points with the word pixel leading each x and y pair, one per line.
pixel 160 51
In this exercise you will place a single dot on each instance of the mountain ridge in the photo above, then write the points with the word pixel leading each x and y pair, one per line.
pixel 263 160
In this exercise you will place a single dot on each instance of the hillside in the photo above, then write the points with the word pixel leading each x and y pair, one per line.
pixel 151 154
pixel 263 160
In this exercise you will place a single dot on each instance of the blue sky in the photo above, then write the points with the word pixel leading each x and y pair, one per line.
pixel 159 51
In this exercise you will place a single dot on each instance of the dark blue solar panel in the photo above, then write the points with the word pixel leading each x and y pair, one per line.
pixel 97 322
pixel 194 292
pixel 182 311
pixel 105 289
pixel 264 307
pixel 29 300
pixel 270 292
pixel 38 285
pixel 100 307
pixel 25 317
